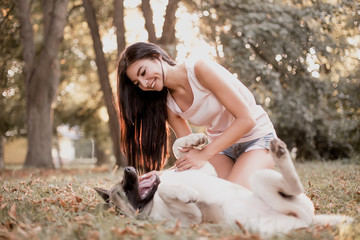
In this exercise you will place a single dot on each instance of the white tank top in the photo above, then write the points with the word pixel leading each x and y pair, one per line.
pixel 207 111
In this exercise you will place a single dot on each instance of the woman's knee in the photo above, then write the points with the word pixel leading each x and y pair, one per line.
pixel 247 164
pixel 222 165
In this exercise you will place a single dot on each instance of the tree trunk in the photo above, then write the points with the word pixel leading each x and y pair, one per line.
pixel 105 82
pixel 1 152
pixel 41 78
pixel 101 156
pixel 57 148
pixel 119 24
pixel 148 16
pixel 168 39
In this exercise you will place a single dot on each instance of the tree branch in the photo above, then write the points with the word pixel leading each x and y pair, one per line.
pixel 119 24
pixel 168 34
pixel 148 16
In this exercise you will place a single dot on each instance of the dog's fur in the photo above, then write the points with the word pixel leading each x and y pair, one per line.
pixel 275 204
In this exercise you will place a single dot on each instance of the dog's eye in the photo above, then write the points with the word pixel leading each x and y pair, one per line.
pixel 121 194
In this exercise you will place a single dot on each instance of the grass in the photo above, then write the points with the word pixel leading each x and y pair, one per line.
pixel 44 204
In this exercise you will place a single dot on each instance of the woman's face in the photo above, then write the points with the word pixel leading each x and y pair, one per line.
pixel 146 74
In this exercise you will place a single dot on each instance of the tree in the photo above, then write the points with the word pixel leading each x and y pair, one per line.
pixel 104 82
pixel 42 76
pixel 291 55
pixel 167 39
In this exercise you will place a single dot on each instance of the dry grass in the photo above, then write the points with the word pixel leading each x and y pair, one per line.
pixel 43 204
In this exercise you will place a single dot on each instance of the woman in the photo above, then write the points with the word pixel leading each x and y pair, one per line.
pixel 154 90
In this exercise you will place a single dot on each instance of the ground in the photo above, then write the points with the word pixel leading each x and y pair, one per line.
pixel 61 204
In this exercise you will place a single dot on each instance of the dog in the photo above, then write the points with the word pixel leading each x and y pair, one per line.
pixel 274 204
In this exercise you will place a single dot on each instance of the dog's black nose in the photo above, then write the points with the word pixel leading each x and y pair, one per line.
pixel 129 169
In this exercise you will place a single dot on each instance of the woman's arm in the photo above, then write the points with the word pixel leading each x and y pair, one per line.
pixel 215 78
pixel 179 125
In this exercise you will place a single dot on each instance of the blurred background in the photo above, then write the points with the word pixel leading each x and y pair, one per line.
pixel 300 58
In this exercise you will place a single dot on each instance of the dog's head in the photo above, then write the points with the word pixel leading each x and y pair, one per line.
pixel 129 195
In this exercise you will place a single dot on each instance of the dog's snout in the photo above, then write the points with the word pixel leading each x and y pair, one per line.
pixel 129 169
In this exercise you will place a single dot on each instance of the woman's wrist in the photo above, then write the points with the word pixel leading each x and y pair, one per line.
pixel 208 152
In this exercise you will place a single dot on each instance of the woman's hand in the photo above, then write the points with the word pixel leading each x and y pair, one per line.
pixel 193 159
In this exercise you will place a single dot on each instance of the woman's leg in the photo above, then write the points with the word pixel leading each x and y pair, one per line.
pixel 247 164
pixel 222 164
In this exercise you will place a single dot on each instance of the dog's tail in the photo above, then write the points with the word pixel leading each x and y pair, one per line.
pixel 331 219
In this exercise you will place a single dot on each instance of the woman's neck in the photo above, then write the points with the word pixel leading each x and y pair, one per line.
pixel 176 77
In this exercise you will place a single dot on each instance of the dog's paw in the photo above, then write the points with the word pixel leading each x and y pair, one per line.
pixel 197 140
pixel 189 195
pixel 182 193
pixel 192 140
pixel 278 148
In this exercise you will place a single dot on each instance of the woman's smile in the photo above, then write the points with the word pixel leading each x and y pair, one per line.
pixel 153 84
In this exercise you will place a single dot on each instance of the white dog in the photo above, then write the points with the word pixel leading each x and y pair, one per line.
pixel 275 204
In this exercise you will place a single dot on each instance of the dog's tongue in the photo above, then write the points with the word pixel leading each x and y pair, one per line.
pixel 146 185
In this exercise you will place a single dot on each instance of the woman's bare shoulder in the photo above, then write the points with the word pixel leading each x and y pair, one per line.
pixel 209 72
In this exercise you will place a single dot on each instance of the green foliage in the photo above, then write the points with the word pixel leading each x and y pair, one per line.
pixel 48 204
pixel 299 62
pixel 11 83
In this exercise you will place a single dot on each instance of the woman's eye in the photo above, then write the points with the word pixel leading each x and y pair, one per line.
pixel 143 73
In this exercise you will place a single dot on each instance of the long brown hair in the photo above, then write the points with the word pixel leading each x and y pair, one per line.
pixel 143 114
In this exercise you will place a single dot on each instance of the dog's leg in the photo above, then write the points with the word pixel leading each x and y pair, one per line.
pixel 181 201
pixel 282 191
pixel 270 185
pixel 291 185
pixel 178 192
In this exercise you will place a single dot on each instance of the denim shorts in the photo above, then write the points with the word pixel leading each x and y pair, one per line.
pixel 237 149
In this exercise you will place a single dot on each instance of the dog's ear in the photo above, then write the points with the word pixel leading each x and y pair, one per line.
pixel 105 194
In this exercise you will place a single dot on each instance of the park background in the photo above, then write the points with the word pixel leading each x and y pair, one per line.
pixel 58 120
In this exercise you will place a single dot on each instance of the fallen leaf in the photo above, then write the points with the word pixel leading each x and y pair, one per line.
pixel 238 223
pixel 78 199
pixel 100 169
pixel 112 209
pixel 62 203
pixel 175 229
pixel 3 206
pixel 12 212
pixel 10 225
pixel 204 233
pixel 93 235
pixel 126 230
